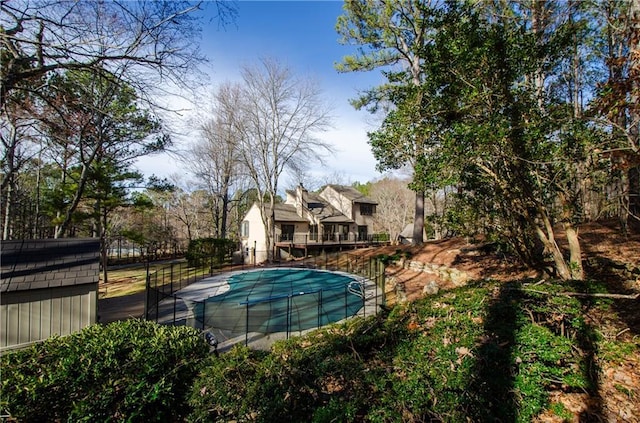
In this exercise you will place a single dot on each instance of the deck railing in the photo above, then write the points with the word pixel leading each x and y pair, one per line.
pixel 332 238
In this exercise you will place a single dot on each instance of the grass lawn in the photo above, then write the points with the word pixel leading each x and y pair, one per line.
pixel 127 280
pixel 130 279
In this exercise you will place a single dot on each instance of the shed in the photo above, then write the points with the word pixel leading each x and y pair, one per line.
pixel 47 287
pixel 406 236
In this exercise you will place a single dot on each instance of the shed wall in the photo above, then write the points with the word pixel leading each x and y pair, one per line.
pixel 31 316
pixel 48 287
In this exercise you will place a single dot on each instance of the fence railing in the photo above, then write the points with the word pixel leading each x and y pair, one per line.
pixel 124 251
pixel 283 313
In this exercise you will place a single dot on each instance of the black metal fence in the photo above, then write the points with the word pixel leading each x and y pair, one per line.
pixel 124 251
pixel 282 314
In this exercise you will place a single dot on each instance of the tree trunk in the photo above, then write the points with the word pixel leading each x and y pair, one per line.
pixel 622 193
pixel 546 236
pixel 84 176
pixel 418 221
pixel 268 213
pixel 36 214
pixel 7 212
pixel 575 252
pixel 225 214
pixel 104 245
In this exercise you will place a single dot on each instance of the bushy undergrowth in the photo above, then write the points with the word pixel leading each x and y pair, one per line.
pixel 124 371
pixel 489 352
pixel 485 352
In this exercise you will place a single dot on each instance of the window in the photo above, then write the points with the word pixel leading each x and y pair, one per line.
pixel 244 230
pixel 287 232
pixel 366 209
pixel 362 233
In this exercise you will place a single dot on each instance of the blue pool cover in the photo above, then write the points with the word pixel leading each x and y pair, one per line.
pixel 281 300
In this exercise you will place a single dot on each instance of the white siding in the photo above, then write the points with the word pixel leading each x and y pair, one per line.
pixel 255 242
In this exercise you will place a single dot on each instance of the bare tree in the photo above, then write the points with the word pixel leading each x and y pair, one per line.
pixel 395 205
pixel 127 39
pixel 281 115
pixel 216 158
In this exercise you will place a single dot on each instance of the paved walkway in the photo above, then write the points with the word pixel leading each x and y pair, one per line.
pixel 121 308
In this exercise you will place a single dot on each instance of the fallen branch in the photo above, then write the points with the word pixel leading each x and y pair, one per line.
pixel 587 295
pixel 598 295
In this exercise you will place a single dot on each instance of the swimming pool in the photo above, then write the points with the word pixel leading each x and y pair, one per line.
pixel 273 300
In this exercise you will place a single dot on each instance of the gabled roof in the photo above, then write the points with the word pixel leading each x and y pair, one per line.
pixel 352 194
pixel 324 211
pixel 317 206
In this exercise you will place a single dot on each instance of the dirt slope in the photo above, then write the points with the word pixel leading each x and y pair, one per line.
pixel 609 256
pixel 602 245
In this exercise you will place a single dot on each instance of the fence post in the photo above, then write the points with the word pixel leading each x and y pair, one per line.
pixel 175 302
pixel 288 320
pixel 204 314
pixel 346 301
pixel 363 289
pixel 246 327
pixel 320 308
pixel 375 267
pixel 381 266
pixel 146 292
pixel 162 282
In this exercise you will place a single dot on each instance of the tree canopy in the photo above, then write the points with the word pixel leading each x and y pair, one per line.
pixel 492 103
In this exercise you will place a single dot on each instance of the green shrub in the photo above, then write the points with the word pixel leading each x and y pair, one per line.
pixel 307 378
pixel 131 370
pixel 472 353
pixel 486 352
pixel 212 251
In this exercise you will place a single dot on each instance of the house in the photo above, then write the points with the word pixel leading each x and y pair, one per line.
pixel 337 217
pixel 48 287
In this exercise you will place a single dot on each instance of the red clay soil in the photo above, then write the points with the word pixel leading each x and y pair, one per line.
pixel 599 240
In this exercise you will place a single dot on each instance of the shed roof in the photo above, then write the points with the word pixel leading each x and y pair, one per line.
pixel 49 263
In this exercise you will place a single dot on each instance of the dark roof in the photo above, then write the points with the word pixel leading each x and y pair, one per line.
pixel 287 213
pixel 324 211
pixel 317 206
pixel 352 194
pixel 49 263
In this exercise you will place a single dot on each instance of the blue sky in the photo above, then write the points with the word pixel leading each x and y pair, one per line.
pixel 302 35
